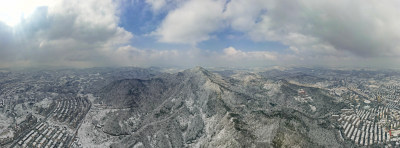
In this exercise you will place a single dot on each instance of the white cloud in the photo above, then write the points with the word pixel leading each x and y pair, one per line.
pixel 312 27
pixel 131 56
pixel 65 33
pixel 325 28
pixel 157 4
pixel 86 33
pixel 192 22
pixel 231 53
pixel 11 12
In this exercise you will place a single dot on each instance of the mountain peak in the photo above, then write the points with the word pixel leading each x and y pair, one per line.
pixel 199 68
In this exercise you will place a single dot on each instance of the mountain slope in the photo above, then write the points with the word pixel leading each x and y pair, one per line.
pixel 197 108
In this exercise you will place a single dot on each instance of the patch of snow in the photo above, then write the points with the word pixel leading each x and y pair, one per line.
pixel 8 133
pixel 89 135
pixel 138 145
pixel 45 103
pixel 313 108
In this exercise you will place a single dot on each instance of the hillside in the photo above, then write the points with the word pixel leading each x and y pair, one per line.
pixel 197 108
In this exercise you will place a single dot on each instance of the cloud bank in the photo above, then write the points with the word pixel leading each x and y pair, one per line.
pixel 324 33
pixel 68 33
pixel 364 29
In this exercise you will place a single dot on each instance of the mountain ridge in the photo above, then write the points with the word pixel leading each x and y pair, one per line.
pixel 198 108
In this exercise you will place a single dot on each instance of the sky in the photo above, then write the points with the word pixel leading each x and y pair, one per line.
pixel 210 33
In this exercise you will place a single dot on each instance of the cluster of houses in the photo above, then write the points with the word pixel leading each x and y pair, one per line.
pixel 49 134
pixel 71 111
pixel 45 136
pixel 370 126
pixel 302 96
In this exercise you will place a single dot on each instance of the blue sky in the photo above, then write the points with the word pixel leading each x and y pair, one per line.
pixel 242 33
pixel 139 18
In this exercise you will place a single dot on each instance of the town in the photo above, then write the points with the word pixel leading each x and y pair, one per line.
pixel 46 108
pixel 371 101
pixel 41 113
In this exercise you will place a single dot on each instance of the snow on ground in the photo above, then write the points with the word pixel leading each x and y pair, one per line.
pixel 4 123
pixel 45 103
pixel 63 125
pixel 313 108
pixel 20 113
pixel 6 134
pixel 91 97
pixel 89 135
pixel 272 88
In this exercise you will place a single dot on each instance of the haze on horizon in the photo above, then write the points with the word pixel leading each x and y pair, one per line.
pixel 72 33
